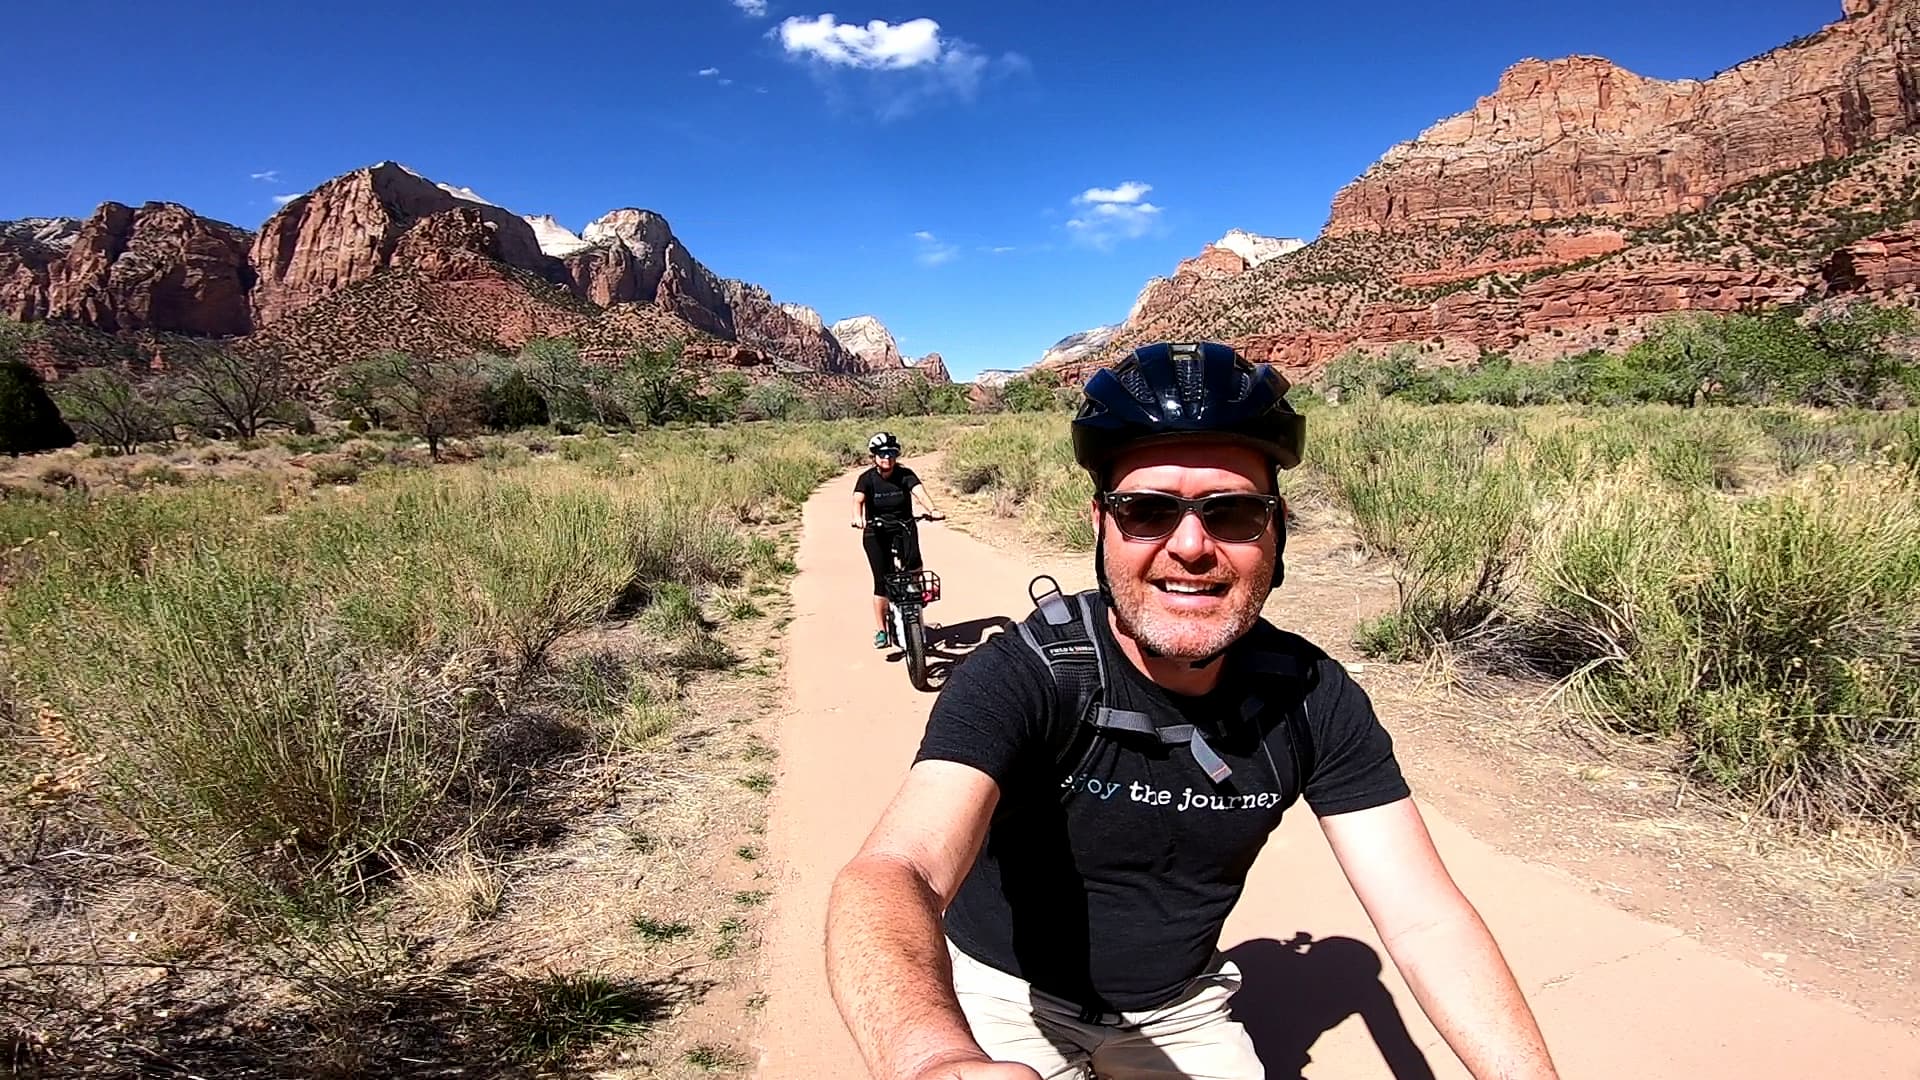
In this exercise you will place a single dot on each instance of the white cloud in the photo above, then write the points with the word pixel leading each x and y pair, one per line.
pixel 1002 250
pixel 726 82
pixel 755 8
pixel 1108 215
pixel 879 45
pixel 932 251
pixel 707 72
pixel 1129 192
pixel 904 63
pixel 269 176
pixel 284 199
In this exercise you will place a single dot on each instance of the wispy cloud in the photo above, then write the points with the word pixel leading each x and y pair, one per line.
pixel 934 252
pixel 755 8
pixel 902 64
pixel 285 199
pixel 269 176
pixel 1002 249
pixel 1104 216
pixel 708 72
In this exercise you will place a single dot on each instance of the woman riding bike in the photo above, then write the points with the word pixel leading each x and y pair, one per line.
pixel 884 498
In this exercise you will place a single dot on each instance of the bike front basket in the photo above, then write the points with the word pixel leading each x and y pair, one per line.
pixel 913 587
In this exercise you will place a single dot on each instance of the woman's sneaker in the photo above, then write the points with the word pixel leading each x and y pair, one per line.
pixel 879 639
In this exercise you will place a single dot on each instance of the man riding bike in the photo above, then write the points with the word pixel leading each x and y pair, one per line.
pixel 1044 897
pixel 884 497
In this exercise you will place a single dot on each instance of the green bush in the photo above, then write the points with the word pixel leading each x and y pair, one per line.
pixel 511 403
pixel 1779 637
pixel 29 420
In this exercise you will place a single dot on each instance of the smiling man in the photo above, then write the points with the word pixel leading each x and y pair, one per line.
pixel 1044 897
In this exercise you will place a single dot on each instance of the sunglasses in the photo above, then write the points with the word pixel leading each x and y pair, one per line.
pixel 1231 517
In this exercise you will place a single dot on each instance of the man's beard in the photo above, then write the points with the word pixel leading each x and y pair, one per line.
pixel 1178 636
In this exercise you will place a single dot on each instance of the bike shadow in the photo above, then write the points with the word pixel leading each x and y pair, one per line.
pixel 949 646
pixel 1294 991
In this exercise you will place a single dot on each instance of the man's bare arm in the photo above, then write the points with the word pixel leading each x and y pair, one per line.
pixel 886 950
pixel 1439 942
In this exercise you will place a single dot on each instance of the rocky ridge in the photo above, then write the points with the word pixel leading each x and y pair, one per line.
pixel 1579 202
pixel 383 258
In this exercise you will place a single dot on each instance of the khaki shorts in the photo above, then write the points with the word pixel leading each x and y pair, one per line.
pixel 1192 1036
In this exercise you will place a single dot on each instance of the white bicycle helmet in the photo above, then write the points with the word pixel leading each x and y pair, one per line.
pixel 884 442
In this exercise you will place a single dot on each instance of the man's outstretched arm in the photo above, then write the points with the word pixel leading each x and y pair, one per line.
pixel 886 950
pixel 1439 942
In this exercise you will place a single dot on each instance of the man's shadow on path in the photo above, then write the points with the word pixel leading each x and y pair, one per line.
pixel 1294 991
pixel 949 646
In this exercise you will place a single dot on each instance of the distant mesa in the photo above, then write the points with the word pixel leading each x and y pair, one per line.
pixel 385 258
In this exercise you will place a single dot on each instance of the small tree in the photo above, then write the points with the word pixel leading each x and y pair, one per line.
pixel 29 420
pixel 105 406
pixel 774 400
pixel 1865 368
pixel 512 403
pixel 725 398
pixel 357 392
pixel 914 397
pixel 222 390
pixel 950 399
pixel 552 366
pixel 1679 361
pixel 1032 392
pixel 434 399
pixel 653 388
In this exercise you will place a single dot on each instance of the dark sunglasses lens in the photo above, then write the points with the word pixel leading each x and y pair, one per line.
pixel 1146 517
pixel 1235 519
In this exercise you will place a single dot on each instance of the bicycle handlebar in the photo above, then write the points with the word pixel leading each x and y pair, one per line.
pixel 895 522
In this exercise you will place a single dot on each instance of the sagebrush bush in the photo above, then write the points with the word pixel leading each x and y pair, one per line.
pixel 1779 637
pixel 291 697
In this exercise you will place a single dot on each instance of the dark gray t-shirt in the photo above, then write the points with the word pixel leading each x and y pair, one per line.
pixel 1106 877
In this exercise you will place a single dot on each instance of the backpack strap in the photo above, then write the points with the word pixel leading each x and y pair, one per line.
pixel 1072 658
pixel 1271 667
pixel 1073 655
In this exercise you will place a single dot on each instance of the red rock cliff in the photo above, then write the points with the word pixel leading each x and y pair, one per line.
pixel 349 229
pixel 1580 136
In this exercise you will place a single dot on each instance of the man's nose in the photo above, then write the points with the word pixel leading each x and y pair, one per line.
pixel 1189 541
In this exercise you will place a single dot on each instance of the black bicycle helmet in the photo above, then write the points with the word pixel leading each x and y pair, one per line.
pixel 884 442
pixel 1181 390
pixel 1184 390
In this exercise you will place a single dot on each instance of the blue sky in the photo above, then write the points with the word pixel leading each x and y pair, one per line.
pixel 924 161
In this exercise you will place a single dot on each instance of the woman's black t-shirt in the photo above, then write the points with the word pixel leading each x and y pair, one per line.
pixel 888 496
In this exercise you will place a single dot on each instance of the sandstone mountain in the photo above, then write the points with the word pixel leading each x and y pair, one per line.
pixel 158 267
pixel 351 227
pixel 932 367
pixel 1075 347
pixel 870 343
pixel 383 258
pixel 1580 201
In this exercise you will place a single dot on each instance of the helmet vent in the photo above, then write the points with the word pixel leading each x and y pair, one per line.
pixel 1192 388
pixel 1136 385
